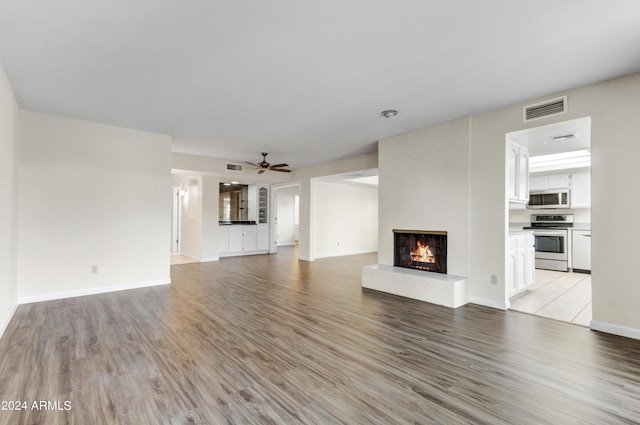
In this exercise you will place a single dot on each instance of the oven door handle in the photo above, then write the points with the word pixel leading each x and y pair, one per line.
pixel 550 233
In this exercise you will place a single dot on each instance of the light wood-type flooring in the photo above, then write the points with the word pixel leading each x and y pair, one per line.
pixel 272 340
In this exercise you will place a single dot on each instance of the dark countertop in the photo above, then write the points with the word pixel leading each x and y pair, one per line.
pixel 236 222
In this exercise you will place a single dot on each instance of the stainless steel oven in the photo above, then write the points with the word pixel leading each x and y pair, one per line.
pixel 552 249
pixel 552 245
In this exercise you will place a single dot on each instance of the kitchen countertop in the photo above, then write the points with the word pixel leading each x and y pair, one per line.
pixel 519 227
pixel 514 232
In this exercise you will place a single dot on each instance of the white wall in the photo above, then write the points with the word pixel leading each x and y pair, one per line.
pixel 614 107
pixel 424 185
pixel 344 219
pixel 304 176
pixel 210 201
pixel 91 194
pixel 9 166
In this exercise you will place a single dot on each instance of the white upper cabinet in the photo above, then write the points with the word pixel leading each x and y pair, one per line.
pixel 552 181
pixel 581 190
pixel 538 182
pixel 518 173
pixel 559 181
pixel 579 183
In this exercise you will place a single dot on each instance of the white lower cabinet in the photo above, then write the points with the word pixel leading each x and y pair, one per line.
pixel 521 261
pixel 263 237
pixel 581 250
pixel 236 241
pixel 242 240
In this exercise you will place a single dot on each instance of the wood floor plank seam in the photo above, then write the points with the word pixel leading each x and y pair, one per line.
pixel 270 339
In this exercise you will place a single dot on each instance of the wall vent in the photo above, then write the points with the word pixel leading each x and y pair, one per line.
pixel 545 109
pixel 234 167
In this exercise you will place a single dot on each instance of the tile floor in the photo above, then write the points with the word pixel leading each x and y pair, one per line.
pixel 557 295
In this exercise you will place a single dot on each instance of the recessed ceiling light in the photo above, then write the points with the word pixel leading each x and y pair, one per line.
pixel 234 182
pixel 227 184
pixel 389 113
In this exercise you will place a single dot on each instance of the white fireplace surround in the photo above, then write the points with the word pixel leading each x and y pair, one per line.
pixel 436 288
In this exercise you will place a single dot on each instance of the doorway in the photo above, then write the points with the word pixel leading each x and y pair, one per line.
pixel 559 158
pixel 285 206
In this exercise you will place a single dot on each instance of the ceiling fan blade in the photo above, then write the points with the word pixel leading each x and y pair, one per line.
pixel 251 163
pixel 261 170
pixel 281 170
pixel 278 165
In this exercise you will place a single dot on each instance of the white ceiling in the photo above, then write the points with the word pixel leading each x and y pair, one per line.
pixel 540 140
pixel 304 80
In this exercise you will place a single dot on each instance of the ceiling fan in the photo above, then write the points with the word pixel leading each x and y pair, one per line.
pixel 264 165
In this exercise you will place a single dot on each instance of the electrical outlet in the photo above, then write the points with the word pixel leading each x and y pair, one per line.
pixel 94 269
pixel 494 279
pixel 338 243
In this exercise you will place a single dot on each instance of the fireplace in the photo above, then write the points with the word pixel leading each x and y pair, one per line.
pixel 420 250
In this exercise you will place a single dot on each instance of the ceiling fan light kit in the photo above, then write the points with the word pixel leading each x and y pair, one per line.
pixel 263 165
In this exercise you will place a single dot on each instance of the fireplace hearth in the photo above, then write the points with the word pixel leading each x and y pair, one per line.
pixel 420 250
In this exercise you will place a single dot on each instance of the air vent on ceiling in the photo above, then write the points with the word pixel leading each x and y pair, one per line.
pixel 545 109
pixel 234 167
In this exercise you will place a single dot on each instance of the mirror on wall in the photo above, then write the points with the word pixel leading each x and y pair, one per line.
pixel 234 202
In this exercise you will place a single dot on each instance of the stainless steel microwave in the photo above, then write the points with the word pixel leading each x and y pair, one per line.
pixel 554 198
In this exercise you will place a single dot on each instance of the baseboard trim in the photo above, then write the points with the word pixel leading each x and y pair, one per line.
pixel 5 322
pixel 615 329
pixel 193 257
pixel 91 291
pixel 201 260
pixel 489 303
pixel 207 259
pixel 300 257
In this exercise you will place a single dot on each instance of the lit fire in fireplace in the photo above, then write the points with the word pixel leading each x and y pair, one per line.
pixel 423 253
pixel 421 250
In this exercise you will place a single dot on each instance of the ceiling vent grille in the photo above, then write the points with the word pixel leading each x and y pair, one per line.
pixel 545 109
pixel 234 167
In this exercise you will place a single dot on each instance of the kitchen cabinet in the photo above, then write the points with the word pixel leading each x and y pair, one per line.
pixel 242 240
pixel 236 241
pixel 521 262
pixel 578 182
pixel 538 182
pixel 263 237
pixel 263 205
pixel 223 239
pixel 559 181
pixel 581 250
pixel 518 173
pixel 581 190
pixel 552 181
